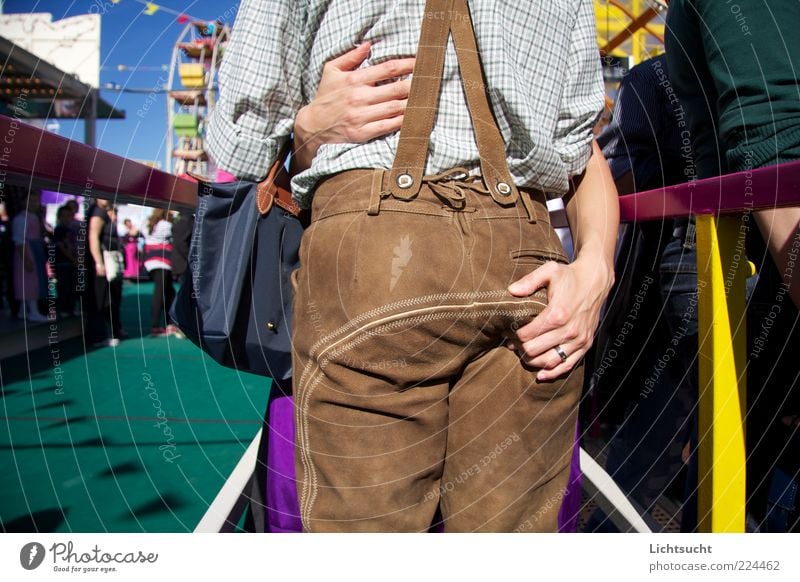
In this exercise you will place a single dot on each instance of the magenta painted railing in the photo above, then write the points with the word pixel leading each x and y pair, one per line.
pixel 730 194
pixel 36 158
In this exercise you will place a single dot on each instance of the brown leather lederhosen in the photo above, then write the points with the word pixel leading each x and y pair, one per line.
pixel 406 398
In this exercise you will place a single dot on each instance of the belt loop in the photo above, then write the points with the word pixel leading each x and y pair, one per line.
pixel 375 194
pixel 526 202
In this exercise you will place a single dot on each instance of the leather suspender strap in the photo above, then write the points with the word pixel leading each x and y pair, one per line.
pixel 405 177
pixel 491 146
pixel 442 17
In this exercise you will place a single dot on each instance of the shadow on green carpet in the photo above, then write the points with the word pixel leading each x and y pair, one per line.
pixel 137 438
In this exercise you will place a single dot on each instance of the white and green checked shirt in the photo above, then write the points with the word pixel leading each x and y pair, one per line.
pixel 540 58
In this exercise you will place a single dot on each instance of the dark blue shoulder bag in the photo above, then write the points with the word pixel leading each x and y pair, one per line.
pixel 235 299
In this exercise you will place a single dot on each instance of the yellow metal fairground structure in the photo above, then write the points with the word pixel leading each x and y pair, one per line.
pixel 632 28
pixel 721 273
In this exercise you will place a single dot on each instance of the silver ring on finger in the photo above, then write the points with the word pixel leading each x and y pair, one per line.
pixel 561 353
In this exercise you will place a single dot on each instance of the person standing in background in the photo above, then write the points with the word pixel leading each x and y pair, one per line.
pixel 130 242
pixel 657 274
pixel 104 280
pixel 66 261
pixel 158 262
pixel 30 276
pixel 78 231
pixel 181 238
pixel 7 263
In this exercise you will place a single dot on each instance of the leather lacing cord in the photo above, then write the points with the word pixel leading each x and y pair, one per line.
pixel 452 185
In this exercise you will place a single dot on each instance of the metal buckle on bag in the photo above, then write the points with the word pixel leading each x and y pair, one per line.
pixel 690 240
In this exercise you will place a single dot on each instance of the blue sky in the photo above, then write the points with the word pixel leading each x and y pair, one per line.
pixel 128 37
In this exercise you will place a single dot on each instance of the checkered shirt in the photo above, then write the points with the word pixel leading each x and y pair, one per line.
pixel 540 59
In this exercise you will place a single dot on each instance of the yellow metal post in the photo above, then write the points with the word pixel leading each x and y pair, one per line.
pixel 637 39
pixel 722 269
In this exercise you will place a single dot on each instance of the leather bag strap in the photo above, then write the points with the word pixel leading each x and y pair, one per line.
pixel 276 188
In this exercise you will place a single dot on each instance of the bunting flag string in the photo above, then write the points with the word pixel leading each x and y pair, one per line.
pixel 135 68
pixel 150 8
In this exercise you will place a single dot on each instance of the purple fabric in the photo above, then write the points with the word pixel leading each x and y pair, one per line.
pixel 571 503
pixel 283 510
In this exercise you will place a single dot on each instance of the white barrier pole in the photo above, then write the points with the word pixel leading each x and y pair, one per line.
pixel 609 497
pixel 231 498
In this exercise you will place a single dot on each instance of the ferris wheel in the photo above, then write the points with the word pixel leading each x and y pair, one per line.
pixel 192 92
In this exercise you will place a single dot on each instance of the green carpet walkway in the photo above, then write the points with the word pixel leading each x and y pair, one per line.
pixel 137 438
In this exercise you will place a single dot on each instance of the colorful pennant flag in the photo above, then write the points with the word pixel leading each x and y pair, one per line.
pixel 182 19
pixel 151 8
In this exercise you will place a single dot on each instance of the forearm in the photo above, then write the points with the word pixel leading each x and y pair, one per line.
pixel 95 250
pixel 780 228
pixel 305 146
pixel 575 292
pixel 352 104
pixel 593 216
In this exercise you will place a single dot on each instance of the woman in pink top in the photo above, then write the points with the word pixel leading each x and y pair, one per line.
pixel 130 242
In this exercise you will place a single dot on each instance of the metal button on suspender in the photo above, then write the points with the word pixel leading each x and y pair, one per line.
pixel 405 180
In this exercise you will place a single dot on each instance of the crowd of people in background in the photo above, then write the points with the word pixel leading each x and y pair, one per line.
pixel 77 266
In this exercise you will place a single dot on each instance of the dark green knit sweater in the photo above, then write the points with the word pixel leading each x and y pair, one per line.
pixel 735 65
